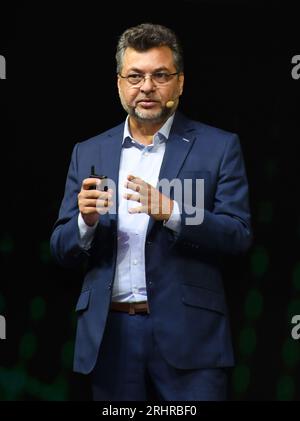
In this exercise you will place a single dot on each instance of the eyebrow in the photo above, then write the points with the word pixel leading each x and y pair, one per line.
pixel 158 69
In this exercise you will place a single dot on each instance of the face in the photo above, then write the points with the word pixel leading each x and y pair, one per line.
pixel 146 102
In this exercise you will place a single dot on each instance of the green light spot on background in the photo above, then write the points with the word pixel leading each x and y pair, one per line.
pixel 33 387
pixel 12 381
pixel 265 212
pixel 285 388
pixel 61 387
pixel 253 304
pixel 57 391
pixel 293 309
pixel 6 244
pixel 27 346
pixel 259 261
pixel 67 354
pixel 247 341
pixel 37 308
pixel 2 304
pixel 296 276
pixel 241 379
pixel 291 353
pixel 45 254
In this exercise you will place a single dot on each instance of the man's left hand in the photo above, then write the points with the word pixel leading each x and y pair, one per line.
pixel 151 201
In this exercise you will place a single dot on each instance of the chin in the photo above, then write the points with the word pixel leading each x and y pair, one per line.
pixel 150 116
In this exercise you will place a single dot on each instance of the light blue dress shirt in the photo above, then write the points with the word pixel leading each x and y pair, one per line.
pixel 143 161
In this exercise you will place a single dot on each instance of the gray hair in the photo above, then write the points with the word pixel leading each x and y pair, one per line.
pixel 146 36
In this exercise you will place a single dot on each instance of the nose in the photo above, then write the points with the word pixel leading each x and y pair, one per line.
pixel 147 85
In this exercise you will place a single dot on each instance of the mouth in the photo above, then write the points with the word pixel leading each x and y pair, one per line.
pixel 147 103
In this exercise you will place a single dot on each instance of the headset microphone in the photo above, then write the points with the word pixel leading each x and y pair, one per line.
pixel 170 104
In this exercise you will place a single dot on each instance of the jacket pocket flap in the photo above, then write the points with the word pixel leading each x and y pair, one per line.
pixel 205 298
pixel 83 300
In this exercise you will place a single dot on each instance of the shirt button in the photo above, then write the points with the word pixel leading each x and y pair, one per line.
pixel 135 262
pixel 146 153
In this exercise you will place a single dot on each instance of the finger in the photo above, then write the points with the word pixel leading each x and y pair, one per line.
pixel 94 194
pixel 88 182
pixel 88 202
pixel 89 194
pixel 104 203
pixel 133 186
pixel 88 210
pixel 139 209
pixel 132 196
pixel 135 179
pixel 105 195
pixel 103 208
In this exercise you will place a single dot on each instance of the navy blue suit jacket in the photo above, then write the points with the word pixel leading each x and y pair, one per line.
pixel 184 283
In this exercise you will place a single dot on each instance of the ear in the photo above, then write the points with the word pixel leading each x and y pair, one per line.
pixel 118 81
pixel 181 83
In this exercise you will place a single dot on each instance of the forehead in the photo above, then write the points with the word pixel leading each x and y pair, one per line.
pixel 154 58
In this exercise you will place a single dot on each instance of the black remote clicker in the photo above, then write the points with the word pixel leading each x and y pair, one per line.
pixel 103 179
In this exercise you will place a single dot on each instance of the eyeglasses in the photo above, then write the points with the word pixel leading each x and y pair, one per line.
pixel 159 78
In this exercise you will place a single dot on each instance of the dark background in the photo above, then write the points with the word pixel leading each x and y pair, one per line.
pixel 61 89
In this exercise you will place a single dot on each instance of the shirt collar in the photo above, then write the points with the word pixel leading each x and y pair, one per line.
pixel 160 136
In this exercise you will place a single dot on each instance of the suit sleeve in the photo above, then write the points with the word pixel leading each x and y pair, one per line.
pixel 226 228
pixel 65 241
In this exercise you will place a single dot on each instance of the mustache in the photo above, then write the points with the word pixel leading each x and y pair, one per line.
pixel 148 99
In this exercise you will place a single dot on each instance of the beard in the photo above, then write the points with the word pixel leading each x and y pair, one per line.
pixel 147 116
pixel 150 116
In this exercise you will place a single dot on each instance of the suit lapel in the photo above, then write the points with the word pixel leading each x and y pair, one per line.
pixel 111 147
pixel 178 146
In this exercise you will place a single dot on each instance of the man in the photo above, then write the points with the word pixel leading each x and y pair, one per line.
pixel 152 317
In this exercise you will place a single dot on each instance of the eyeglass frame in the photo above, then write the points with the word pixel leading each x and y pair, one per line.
pixel 144 76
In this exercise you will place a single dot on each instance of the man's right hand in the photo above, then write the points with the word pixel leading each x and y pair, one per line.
pixel 93 203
